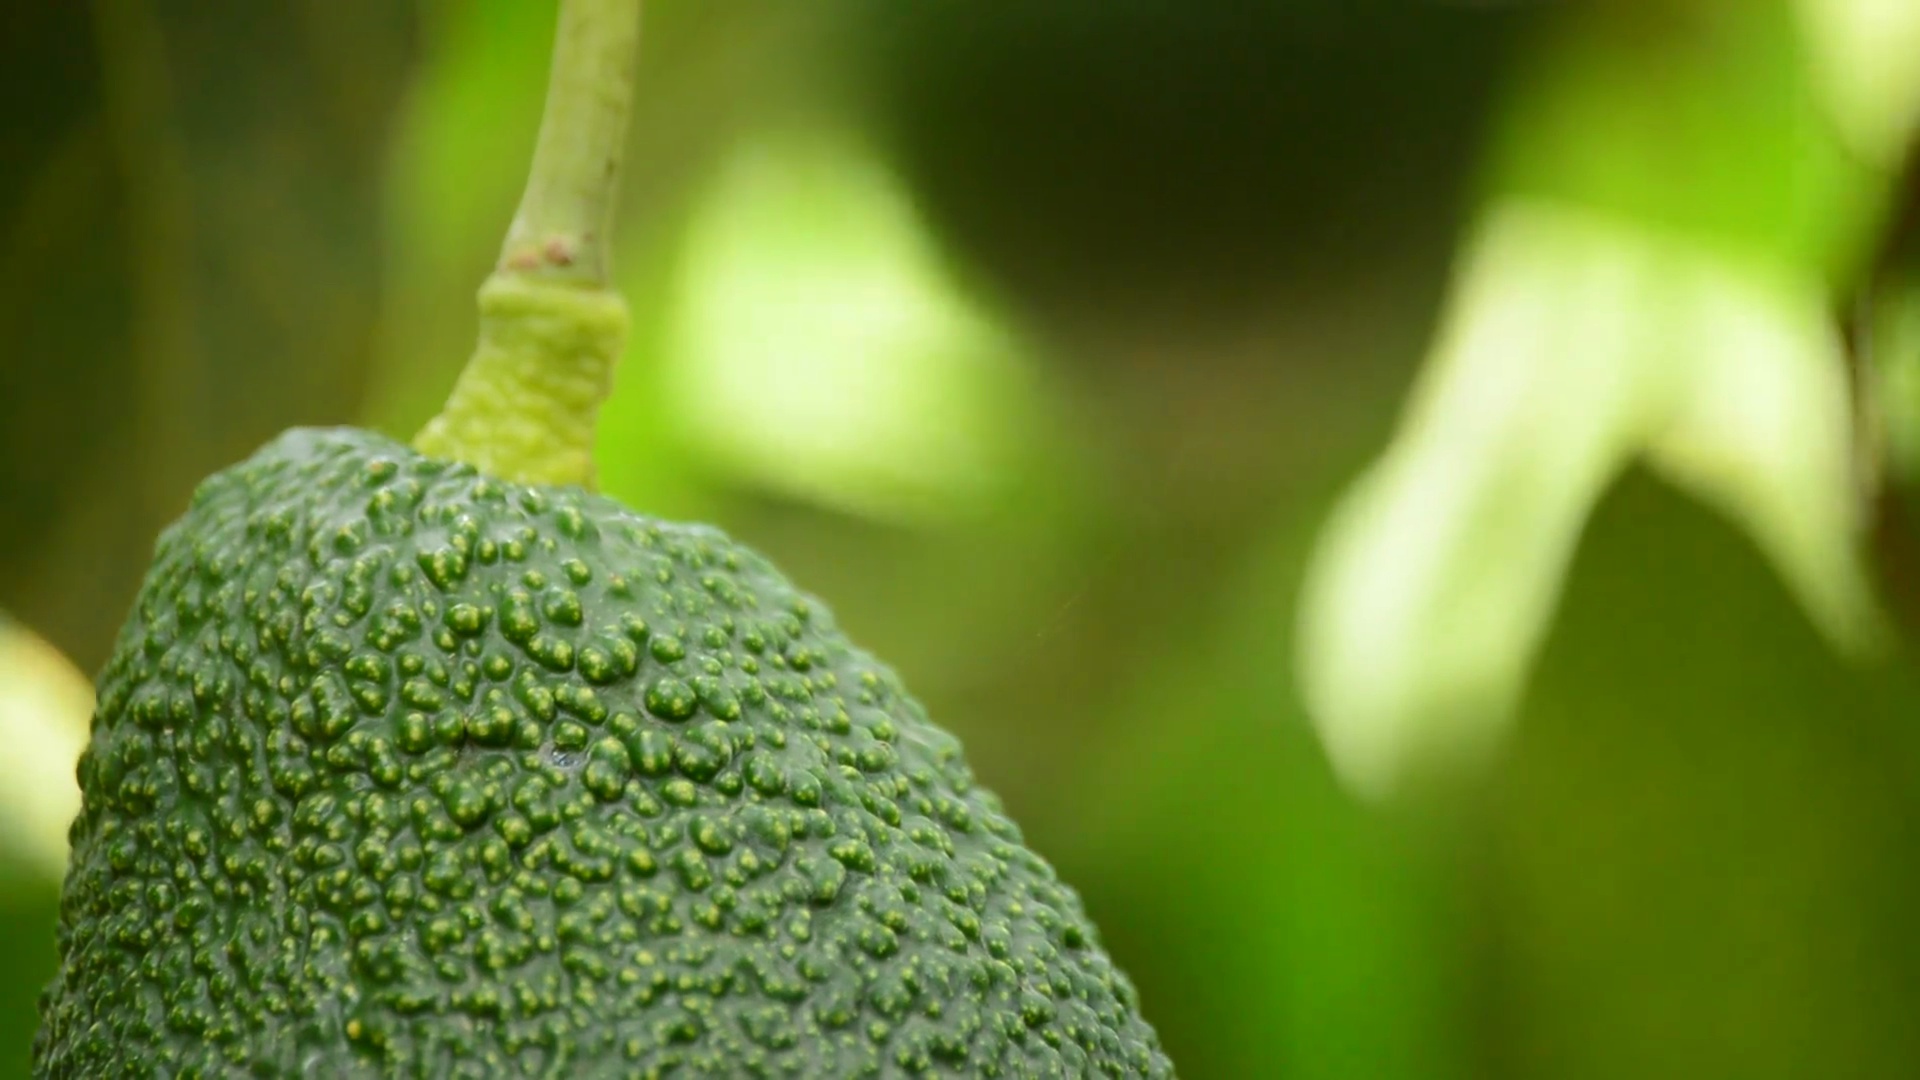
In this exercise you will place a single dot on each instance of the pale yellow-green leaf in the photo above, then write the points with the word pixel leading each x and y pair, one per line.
pixel 1433 583
pixel 1865 57
pixel 45 705
pixel 1762 426
pixel 818 348
pixel 1574 345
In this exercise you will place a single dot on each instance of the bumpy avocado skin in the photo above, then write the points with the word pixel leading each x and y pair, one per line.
pixel 399 770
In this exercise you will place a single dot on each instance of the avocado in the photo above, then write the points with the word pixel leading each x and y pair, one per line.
pixel 400 769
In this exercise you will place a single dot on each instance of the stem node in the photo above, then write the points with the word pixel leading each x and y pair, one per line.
pixel 551 328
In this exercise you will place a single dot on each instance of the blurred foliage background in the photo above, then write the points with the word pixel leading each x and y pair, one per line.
pixel 1044 341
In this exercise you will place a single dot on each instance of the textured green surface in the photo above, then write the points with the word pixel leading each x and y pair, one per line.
pixel 400 770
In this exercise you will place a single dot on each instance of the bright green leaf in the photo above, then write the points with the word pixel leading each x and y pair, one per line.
pixel 817 346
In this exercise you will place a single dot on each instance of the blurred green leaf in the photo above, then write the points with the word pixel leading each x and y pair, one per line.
pixel 1701 847
pixel 1864 58
pixel 1763 428
pixel 1673 299
pixel 1695 117
pixel 816 347
pixel 1437 574
pixel 1575 345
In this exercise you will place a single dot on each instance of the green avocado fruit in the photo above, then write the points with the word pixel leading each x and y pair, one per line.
pixel 403 770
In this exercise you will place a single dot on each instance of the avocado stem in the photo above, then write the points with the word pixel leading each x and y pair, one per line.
pixel 551 327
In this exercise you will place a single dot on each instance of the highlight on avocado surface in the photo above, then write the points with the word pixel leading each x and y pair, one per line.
pixel 429 761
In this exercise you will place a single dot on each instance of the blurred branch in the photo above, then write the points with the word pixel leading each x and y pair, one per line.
pixel 565 220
